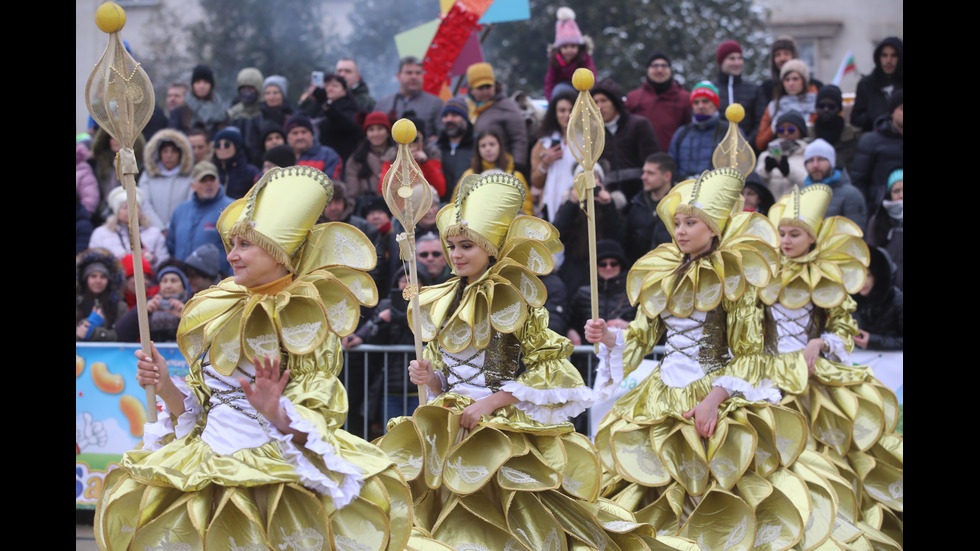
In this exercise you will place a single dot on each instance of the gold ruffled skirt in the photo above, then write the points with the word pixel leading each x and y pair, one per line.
pixel 511 483
pixel 186 495
pixel 752 485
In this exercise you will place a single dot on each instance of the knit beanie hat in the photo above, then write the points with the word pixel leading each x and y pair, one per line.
pixel 118 196
pixel 831 93
pixel 795 118
pixel 480 74
pixel 897 175
pixel 127 262
pixel 202 72
pixel 298 119
pixel 610 248
pixel 376 117
pixel 658 55
pixel 205 259
pixel 799 67
pixel 280 155
pixel 726 49
pixel 456 105
pixel 278 81
pixel 820 148
pixel 705 89
pixel 566 30
pixel 232 134
pixel 249 76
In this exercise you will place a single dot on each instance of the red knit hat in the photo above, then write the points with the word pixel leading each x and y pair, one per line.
pixel 726 49
pixel 376 117
pixel 127 262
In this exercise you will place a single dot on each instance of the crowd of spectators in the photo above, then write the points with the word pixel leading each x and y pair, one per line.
pixel 212 151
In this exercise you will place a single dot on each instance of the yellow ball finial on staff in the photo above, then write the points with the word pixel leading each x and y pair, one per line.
pixel 110 17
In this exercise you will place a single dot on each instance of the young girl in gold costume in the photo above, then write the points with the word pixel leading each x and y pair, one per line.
pixel 492 460
pixel 809 336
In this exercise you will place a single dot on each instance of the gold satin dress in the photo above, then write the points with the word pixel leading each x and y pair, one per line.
pixel 220 476
pixel 523 479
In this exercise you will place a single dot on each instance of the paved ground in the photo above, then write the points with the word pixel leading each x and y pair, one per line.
pixel 84 537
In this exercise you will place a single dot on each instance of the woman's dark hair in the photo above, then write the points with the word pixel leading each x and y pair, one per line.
pixel 337 78
pixel 550 123
pixel 503 160
pixel 361 156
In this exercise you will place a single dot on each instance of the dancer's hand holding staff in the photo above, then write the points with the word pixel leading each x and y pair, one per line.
pixel 586 137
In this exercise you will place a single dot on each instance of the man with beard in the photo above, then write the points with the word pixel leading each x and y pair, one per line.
pixel 661 100
pixel 847 201
pixel 455 143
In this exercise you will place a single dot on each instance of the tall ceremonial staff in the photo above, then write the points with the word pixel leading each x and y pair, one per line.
pixel 120 98
pixel 409 197
pixel 586 136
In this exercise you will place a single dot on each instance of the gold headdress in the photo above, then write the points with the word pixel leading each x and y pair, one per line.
pixel 803 208
pixel 712 198
pixel 330 284
pixel 278 212
pixel 485 206
pixel 836 265
pixel 485 210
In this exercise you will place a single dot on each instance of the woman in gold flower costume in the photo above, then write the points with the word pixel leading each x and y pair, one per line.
pixel 492 460
pixel 809 336
pixel 249 452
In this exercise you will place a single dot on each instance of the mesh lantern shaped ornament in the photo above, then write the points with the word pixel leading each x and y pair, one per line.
pixel 120 98
pixel 409 197
pixel 734 150
pixel 586 136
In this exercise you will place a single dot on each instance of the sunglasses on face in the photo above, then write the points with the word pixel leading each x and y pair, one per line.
pixel 608 263
pixel 426 254
pixel 827 106
pixel 222 144
pixel 786 130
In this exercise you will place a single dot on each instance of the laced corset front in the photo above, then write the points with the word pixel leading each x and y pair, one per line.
pixel 696 346
pixel 478 373
pixel 793 327
pixel 231 421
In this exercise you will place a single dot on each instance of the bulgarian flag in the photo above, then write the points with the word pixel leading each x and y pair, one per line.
pixel 847 65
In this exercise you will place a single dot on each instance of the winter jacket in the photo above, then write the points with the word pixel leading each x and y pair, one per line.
pixel 83 226
pixel 456 160
pixel 194 223
pixel 104 163
pixel 870 98
pixel 164 190
pixel 86 185
pixel 572 226
pixel 502 115
pixel 889 234
pixel 882 312
pixel 847 201
pixel 236 175
pixel 733 89
pixel 878 154
pixel 644 230
pixel 114 237
pixel 362 97
pixel 804 104
pixel 613 302
pixel 428 109
pixel 251 123
pixel 666 112
pixel 845 142
pixel 773 178
pixel 626 150
pixel 559 71
pixel 431 171
pixel 693 145
pixel 209 114
pixel 358 184
pixel 322 158
pixel 337 128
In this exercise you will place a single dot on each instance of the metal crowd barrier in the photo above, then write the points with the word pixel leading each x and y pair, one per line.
pixel 366 372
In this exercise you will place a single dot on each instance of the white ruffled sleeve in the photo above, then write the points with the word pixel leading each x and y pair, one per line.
pixel 609 373
pixel 837 350
pixel 766 390
pixel 155 434
pixel 350 476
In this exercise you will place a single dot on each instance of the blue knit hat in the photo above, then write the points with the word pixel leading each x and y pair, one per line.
pixel 897 175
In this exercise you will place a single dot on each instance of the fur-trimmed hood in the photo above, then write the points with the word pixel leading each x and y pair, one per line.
pixel 151 154
pixel 589 47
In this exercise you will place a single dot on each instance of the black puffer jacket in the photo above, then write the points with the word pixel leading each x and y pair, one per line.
pixel 644 229
pixel 613 302
pixel 881 313
pixel 878 154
